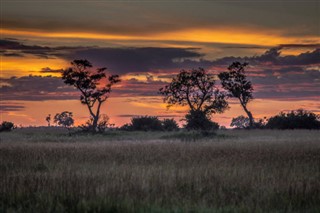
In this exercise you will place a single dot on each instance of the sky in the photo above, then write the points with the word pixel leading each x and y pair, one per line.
pixel 149 42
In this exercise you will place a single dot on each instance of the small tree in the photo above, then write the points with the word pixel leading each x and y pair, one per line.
pixel 235 81
pixel 6 126
pixel 93 95
pixel 64 119
pixel 196 89
pixel 169 125
pixel 240 122
pixel 48 119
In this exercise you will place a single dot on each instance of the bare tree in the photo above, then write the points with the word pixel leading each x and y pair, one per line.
pixel 89 83
pixel 235 81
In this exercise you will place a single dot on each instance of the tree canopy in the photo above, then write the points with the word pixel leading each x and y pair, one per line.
pixel 90 83
pixel 196 89
pixel 235 82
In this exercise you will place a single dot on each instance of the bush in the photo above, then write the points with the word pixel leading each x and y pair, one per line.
pixel 64 119
pixel 6 126
pixel 169 125
pixel 146 123
pixel 198 120
pixel 298 119
pixel 240 122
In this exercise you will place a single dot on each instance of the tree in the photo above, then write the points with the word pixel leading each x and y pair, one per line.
pixel 235 81
pixel 198 120
pixel 240 122
pixel 169 125
pixel 196 89
pixel 48 119
pixel 146 123
pixel 89 83
pixel 64 119
pixel 296 119
pixel 6 126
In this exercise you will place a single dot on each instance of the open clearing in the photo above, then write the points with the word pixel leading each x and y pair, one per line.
pixel 45 170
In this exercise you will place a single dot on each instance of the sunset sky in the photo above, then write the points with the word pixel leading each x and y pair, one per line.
pixel 147 43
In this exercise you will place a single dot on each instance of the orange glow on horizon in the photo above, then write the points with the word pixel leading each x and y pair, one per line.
pixel 21 66
pixel 220 35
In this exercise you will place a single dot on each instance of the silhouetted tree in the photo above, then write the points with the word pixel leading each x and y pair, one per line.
pixel 89 83
pixel 146 123
pixel 196 89
pixel 6 126
pixel 235 81
pixel 240 122
pixel 296 119
pixel 48 119
pixel 169 125
pixel 64 119
pixel 198 120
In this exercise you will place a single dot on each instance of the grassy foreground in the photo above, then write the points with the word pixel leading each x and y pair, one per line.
pixel 44 170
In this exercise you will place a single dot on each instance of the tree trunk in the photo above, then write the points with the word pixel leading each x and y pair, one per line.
pixel 251 120
pixel 95 123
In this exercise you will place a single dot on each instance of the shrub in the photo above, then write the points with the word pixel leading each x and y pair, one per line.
pixel 169 125
pixel 102 125
pixel 64 119
pixel 240 122
pixel 146 123
pixel 6 126
pixel 198 120
pixel 296 119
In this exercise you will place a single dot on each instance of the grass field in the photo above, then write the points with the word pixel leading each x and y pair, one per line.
pixel 45 170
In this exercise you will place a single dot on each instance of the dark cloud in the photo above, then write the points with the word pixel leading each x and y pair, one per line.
pixel 273 57
pixel 35 88
pixel 9 47
pixel 314 46
pixel 49 70
pixel 124 60
pixel 10 107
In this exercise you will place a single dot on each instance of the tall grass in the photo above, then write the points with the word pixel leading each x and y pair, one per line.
pixel 244 171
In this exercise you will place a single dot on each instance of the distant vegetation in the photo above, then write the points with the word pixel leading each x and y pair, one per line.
pixel 298 119
pixel 150 123
pixel 6 126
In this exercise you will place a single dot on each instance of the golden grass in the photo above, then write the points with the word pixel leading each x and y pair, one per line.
pixel 235 171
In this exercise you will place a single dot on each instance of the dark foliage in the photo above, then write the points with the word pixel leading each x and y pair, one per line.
pixel 89 83
pixel 296 119
pixel 102 124
pixel 48 119
pixel 196 89
pixel 169 125
pixel 150 123
pixel 198 120
pixel 64 119
pixel 240 122
pixel 235 81
pixel 6 126
pixel 146 123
